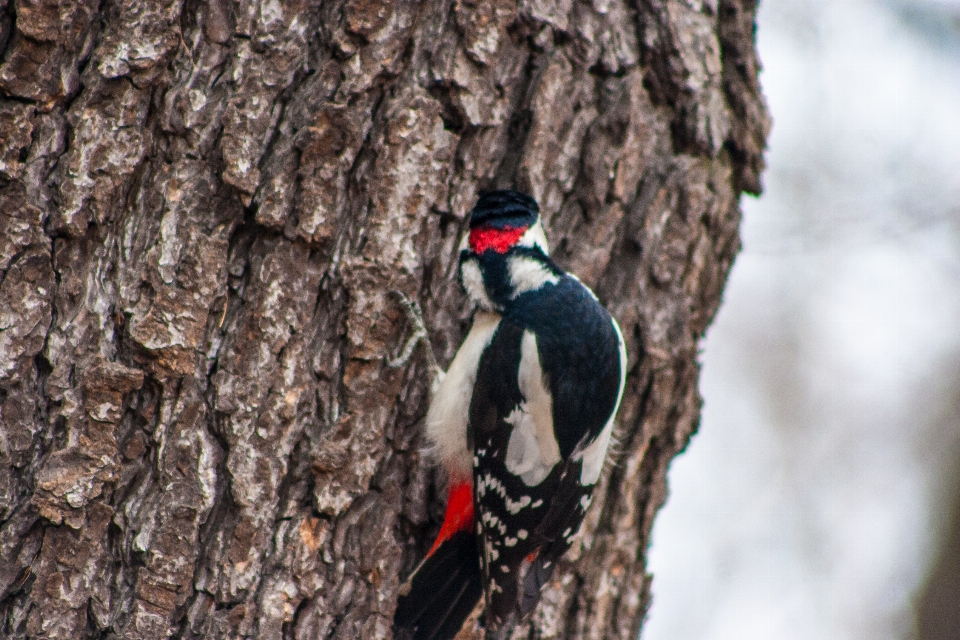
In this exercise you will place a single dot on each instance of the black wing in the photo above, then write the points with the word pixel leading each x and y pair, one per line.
pixel 525 525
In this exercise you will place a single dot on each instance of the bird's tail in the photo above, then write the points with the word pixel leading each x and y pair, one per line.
pixel 440 595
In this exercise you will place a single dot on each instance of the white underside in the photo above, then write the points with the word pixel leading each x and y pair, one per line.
pixel 449 412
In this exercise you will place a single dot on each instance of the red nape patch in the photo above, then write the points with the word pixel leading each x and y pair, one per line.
pixel 459 516
pixel 500 240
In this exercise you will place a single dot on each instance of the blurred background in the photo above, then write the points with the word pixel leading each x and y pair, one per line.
pixel 821 498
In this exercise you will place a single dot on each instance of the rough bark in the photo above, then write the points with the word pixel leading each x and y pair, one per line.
pixel 205 207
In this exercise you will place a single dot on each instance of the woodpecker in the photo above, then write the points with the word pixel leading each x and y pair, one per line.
pixel 521 421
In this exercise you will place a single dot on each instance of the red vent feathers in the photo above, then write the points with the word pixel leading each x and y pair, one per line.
pixel 459 516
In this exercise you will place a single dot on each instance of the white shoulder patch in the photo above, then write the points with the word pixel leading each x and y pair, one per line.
pixel 528 274
pixel 449 412
pixel 596 452
pixel 532 450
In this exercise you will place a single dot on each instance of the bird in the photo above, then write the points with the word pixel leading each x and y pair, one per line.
pixel 521 422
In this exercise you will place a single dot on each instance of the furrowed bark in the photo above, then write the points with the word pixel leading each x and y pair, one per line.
pixel 205 211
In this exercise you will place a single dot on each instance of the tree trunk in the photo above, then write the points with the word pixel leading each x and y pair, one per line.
pixel 205 208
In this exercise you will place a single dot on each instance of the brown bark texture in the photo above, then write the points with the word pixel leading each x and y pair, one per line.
pixel 205 211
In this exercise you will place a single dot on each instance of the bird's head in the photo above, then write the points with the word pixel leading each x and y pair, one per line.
pixel 504 254
pixel 504 220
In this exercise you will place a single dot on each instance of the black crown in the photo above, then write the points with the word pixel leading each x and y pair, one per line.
pixel 504 208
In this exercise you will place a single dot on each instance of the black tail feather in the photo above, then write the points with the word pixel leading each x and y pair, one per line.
pixel 443 591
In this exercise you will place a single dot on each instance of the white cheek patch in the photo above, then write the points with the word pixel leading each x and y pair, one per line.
pixel 594 454
pixel 472 280
pixel 535 236
pixel 532 450
pixel 527 274
pixel 449 412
